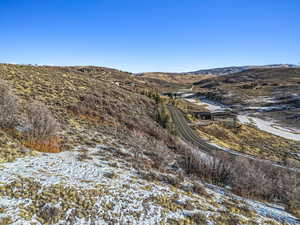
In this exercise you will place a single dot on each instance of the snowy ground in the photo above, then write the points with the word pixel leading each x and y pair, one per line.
pixel 264 209
pixel 268 108
pixel 262 99
pixel 66 169
pixel 105 189
pixel 210 105
pixel 271 127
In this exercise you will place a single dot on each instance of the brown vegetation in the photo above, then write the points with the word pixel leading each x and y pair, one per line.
pixel 9 107
pixel 91 97
pixel 246 177
pixel 179 78
pixel 41 129
pixel 41 123
pixel 250 87
pixel 252 141
pixel 49 146
pixel 111 106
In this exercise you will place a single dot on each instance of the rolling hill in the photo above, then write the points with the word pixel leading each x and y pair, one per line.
pixel 94 145
pixel 274 92
pixel 236 69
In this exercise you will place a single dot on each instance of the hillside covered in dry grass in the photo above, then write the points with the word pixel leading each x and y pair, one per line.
pixel 92 145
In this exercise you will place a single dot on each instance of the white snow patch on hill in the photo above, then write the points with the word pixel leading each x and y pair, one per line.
pixel 127 192
pixel 271 127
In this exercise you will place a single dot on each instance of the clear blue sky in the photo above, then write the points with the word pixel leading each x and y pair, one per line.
pixel 152 35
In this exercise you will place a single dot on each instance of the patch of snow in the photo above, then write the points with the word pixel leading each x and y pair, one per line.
pixel 187 95
pixel 63 167
pixel 297 155
pixel 268 108
pixel 192 100
pixel 262 99
pixel 271 127
pixel 210 105
pixel 268 126
pixel 22 128
pixel 273 211
pixel 214 106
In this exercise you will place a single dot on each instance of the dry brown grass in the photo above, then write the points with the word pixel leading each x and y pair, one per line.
pixel 49 146
pixel 250 140
pixel 177 78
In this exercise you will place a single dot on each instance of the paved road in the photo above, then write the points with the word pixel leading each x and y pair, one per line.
pixel 189 135
pixel 186 132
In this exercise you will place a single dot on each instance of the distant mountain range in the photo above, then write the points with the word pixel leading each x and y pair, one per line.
pixel 237 69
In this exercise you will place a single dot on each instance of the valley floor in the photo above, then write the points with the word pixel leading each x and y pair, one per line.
pixel 271 127
pixel 264 125
pixel 256 137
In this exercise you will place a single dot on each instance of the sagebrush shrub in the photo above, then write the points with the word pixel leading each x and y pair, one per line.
pixel 41 122
pixel 9 106
pixel 89 104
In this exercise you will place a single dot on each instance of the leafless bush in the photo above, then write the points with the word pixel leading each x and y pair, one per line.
pixel 265 181
pixel 216 170
pixel 197 218
pixel 291 192
pixel 199 189
pixel 98 104
pixel 161 155
pixel 147 126
pixel 41 123
pixel 251 178
pixel 293 207
pixel 246 177
pixel 89 104
pixel 168 179
pixel 107 105
pixel 150 151
pixel 9 107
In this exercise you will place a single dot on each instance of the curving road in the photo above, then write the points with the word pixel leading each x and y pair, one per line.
pixel 188 134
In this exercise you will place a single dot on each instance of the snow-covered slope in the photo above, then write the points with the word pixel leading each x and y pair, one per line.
pixel 271 127
pixel 97 186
